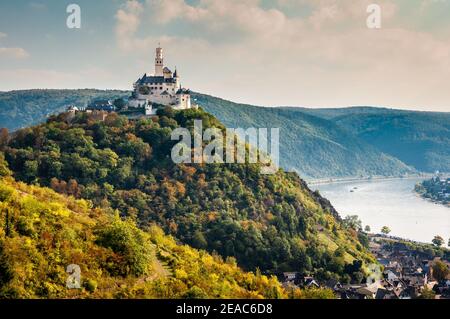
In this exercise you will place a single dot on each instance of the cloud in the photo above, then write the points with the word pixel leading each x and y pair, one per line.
pixel 25 78
pixel 38 5
pixel 268 55
pixel 128 21
pixel 17 53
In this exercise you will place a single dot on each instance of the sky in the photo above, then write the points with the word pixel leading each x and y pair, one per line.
pixel 312 53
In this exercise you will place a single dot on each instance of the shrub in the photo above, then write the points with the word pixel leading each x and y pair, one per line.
pixel 128 242
pixel 195 293
pixel 90 285
pixel 4 170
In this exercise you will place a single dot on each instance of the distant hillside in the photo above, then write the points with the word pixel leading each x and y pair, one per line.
pixel 313 146
pixel 23 108
pixel 331 113
pixel 419 139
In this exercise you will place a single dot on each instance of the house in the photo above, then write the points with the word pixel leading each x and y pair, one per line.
pixel 310 282
pixel 385 294
pixel 333 284
pixel 369 291
pixel 391 275
pixel 290 276
pixel 101 105
pixel 72 109
pixel 415 281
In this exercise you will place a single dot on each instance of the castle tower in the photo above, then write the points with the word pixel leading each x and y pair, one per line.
pixel 159 62
pixel 177 79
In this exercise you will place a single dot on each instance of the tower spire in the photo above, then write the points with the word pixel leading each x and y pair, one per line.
pixel 159 61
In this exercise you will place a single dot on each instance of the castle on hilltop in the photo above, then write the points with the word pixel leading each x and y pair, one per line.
pixel 161 88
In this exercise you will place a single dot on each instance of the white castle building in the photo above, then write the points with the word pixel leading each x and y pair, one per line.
pixel 163 88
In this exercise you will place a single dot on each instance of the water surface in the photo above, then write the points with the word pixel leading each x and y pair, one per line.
pixel 391 203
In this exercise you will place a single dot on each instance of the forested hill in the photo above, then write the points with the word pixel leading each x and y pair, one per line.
pixel 28 107
pixel 313 146
pixel 271 222
pixel 42 233
pixel 317 143
pixel 419 139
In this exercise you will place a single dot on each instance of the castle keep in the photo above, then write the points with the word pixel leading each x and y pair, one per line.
pixel 161 88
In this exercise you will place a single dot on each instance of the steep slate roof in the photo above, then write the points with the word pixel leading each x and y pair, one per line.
pixel 183 91
pixel 155 80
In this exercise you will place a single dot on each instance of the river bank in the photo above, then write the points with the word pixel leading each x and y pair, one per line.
pixel 436 189
pixel 366 179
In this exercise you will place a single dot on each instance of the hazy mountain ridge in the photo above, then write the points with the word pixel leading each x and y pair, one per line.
pixel 28 107
pixel 311 145
pixel 419 139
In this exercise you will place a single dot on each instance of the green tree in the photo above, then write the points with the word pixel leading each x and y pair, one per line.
pixel 30 170
pixel 6 273
pixel 144 90
pixel 358 276
pixel 317 293
pixel 440 270
pixel 385 230
pixel 438 241
pixel 427 294
pixel 125 239
pixel 119 103
pixel 4 170
pixel 195 293
pixel 4 137
pixel 352 221
pixel 367 229
pixel 166 111
pixel 199 241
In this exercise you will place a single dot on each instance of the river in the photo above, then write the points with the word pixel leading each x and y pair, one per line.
pixel 391 203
